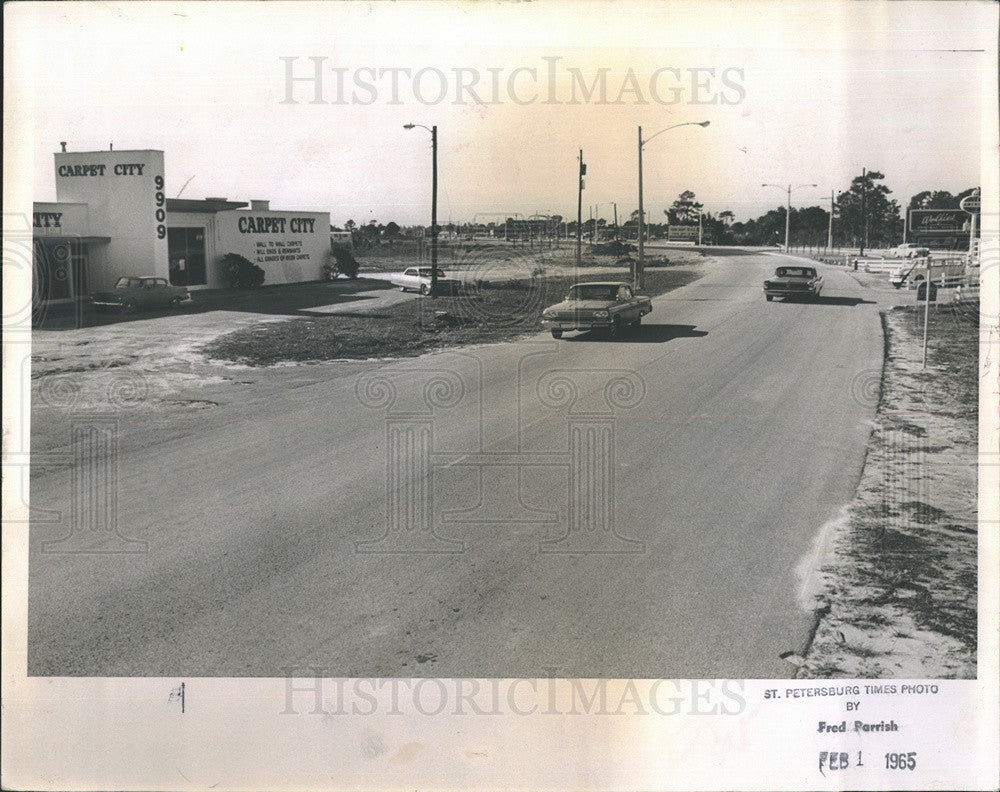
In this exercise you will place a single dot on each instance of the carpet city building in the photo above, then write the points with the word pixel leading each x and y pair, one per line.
pixel 112 218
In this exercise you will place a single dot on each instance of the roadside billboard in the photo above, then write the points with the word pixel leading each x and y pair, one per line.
pixel 940 228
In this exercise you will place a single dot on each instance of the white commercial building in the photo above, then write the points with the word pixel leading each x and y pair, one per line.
pixel 111 218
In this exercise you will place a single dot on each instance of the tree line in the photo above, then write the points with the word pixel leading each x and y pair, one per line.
pixel 865 215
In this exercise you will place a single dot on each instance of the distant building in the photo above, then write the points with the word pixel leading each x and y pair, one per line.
pixel 111 218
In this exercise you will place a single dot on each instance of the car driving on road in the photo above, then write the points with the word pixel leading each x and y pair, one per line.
pixel 793 282
pixel 419 279
pixel 134 293
pixel 608 306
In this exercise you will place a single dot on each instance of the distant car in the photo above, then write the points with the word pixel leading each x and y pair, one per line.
pixel 794 282
pixel 906 250
pixel 608 306
pixel 135 293
pixel 418 279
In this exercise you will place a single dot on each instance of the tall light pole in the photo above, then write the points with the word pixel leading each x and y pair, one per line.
pixel 637 277
pixel 434 202
pixel 788 206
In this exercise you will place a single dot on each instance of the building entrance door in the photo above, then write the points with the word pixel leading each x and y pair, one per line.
pixel 186 250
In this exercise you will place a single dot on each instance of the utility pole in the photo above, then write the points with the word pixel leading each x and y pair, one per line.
pixel 616 219
pixel 593 225
pixel 829 233
pixel 788 216
pixel 864 210
pixel 579 208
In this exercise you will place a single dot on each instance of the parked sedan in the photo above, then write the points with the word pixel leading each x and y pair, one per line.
pixel 793 282
pixel 607 306
pixel 134 293
pixel 419 279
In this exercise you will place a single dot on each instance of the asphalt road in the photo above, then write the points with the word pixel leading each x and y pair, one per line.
pixel 635 508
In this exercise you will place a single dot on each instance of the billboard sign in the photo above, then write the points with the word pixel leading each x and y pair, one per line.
pixel 682 233
pixel 940 228
pixel 939 221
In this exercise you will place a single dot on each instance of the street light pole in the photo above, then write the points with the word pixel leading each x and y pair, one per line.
pixel 788 205
pixel 640 268
pixel 637 274
pixel 434 202
pixel 434 211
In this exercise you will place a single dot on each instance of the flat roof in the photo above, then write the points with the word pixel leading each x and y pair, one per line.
pixel 202 205
pixel 111 151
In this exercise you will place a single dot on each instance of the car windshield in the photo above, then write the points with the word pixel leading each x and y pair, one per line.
pixel 425 272
pixel 127 283
pixel 594 291
pixel 795 272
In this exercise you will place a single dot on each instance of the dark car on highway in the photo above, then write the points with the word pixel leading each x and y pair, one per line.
pixel 793 282
pixel 606 306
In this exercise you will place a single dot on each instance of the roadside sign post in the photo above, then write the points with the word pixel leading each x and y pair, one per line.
pixel 927 310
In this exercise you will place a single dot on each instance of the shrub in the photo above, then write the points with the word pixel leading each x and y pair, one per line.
pixel 614 248
pixel 345 264
pixel 240 273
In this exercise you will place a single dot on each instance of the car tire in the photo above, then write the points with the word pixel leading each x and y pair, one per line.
pixel 128 307
pixel 769 297
pixel 556 333
pixel 425 289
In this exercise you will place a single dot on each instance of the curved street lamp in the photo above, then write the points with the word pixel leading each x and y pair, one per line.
pixel 637 278
pixel 434 202
pixel 788 207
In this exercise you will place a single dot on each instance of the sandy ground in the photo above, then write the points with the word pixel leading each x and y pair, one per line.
pixel 898 590
pixel 154 363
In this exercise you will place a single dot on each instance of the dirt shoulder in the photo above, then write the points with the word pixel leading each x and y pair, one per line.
pixel 482 312
pixel 899 591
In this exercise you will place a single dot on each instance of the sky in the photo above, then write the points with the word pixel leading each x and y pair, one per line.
pixel 795 93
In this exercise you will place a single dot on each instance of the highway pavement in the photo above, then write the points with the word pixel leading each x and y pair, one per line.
pixel 641 508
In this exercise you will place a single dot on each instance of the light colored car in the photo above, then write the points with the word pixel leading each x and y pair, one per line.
pixel 134 293
pixel 418 279
pixel 906 250
pixel 794 282
pixel 609 306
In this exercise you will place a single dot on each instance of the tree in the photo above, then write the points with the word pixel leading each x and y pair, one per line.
pixel 727 217
pixel 684 210
pixel 867 215
pixel 391 230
